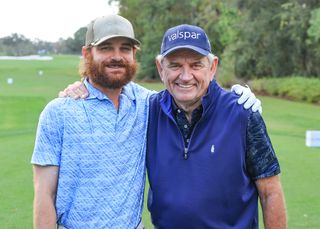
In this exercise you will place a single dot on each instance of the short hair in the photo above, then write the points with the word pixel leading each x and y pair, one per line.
pixel 210 57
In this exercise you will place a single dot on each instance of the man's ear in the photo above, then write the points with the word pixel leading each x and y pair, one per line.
pixel 214 66
pixel 134 50
pixel 159 68
pixel 84 52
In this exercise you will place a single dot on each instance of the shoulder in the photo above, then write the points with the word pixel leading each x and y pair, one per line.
pixel 228 96
pixel 257 131
pixel 54 105
pixel 137 91
pixel 221 96
pixel 159 97
pixel 227 101
pixel 58 106
pixel 256 122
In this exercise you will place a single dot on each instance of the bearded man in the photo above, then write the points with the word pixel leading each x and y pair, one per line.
pixel 89 156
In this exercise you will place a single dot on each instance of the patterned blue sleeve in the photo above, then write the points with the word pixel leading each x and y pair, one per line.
pixel 48 141
pixel 261 160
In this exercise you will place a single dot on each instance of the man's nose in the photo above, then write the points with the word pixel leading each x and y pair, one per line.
pixel 186 73
pixel 116 55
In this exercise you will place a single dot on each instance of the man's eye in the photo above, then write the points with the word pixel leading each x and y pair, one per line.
pixel 126 49
pixel 197 66
pixel 174 67
pixel 105 48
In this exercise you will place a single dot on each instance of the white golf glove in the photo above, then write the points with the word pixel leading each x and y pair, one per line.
pixel 247 97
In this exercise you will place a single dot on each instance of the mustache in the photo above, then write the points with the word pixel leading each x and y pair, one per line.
pixel 115 63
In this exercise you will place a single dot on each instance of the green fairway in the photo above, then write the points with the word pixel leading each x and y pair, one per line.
pixel 28 80
pixel 22 102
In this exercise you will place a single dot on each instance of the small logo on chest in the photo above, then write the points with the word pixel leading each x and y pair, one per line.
pixel 212 149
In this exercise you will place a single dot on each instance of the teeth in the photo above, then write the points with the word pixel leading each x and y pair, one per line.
pixel 185 86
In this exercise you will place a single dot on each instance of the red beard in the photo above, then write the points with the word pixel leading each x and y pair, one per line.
pixel 96 73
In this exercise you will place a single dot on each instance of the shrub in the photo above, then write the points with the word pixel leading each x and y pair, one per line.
pixel 294 88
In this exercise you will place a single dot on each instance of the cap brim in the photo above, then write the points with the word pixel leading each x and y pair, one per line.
pixel 196 49
pixel 135 41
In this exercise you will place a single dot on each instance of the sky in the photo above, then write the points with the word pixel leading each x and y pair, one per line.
pixel 50 20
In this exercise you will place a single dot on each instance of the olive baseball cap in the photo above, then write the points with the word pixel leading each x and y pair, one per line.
pixel 106 27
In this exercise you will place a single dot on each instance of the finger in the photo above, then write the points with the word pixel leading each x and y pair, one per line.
pixel 256 106
pixel 62 94
pixel 250 101
pixel 71 93
pixel 84 96
pixel 79 89
pixel 246 93
pixel 73 86
pixel 237 89
pixel 83 91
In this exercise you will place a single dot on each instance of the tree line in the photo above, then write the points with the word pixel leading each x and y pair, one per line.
pixel 253 39
pixel 19 45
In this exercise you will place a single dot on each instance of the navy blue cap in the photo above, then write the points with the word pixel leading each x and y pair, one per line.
pixel 185 36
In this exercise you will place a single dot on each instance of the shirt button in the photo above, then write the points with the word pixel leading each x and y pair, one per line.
pixel 185 126
pixel 179 111
pixel 188 140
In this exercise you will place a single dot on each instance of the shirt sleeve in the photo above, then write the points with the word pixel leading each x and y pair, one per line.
pixel 261 160
pixel 48 143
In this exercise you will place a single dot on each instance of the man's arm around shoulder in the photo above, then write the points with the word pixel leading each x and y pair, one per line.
pixel 45 188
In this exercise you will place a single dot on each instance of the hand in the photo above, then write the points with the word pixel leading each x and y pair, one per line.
pixel 247 97
pixel 76 90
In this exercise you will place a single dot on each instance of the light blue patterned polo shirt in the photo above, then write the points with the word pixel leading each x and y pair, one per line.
pixel 101 157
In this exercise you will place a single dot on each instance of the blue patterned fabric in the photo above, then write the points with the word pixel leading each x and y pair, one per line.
pixel 261 160
pixel 101 157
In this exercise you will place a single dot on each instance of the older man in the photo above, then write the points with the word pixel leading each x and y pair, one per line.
pixel 208 159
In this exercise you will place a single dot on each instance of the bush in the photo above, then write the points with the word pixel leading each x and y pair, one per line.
pixel 294 88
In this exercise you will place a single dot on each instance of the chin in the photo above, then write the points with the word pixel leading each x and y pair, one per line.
pixel 185 95
pixel 183 99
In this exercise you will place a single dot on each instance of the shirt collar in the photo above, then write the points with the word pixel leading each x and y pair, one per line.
pixel 195 113
pixel 175 108
pixel 95 93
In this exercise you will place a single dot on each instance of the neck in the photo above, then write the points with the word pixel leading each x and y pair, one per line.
pixel 112 93
pixel 189 108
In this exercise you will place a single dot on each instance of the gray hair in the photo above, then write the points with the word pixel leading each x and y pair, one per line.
pixel 210 57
